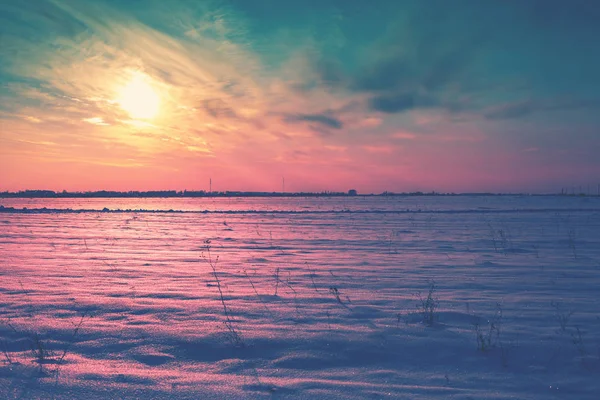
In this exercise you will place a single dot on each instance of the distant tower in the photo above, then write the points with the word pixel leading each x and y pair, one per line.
pixel 282 184
pixel 209 185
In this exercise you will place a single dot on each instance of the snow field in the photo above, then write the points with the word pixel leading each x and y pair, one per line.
pixel 323 304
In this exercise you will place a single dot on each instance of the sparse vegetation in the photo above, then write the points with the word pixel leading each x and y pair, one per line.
pixel 276 276
pixel 334 291
pixel 561 316
pixel 232 333
pixel 37 345
pixel 256 293
pixel 5 352
pixel 488 336
pixel 312 277
pixel 428 305
pixel 501 239
pixel 372 316
pixel 577 340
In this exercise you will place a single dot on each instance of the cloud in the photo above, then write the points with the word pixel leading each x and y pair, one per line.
pixel 379 149
pixel 321 119
pixel 401 102
pixel 232 78
pixel 393 103
pixel 218 108
pixel 403 135
pixel 524 108
pixel 519 109
pixel 424 60
pixel 403 83
pixel 95 121
pixel 388 74
pixel 330 73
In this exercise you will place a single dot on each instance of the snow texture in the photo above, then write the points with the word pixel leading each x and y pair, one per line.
pixel 483 297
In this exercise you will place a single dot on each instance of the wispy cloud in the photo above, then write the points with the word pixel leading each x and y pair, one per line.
pixel 242 93
pixel 322 119
pixel 96 121
pixel 523 108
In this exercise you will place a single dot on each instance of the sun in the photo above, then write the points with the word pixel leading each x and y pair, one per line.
pixel 138 98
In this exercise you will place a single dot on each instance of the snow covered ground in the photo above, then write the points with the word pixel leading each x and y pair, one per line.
pixel 301 298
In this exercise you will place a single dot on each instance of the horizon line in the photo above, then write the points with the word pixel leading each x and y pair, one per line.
pixel 44 193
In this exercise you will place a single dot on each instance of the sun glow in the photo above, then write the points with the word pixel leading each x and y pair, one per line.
pixel 138 98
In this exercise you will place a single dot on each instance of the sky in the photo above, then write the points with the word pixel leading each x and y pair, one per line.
pixel 449 96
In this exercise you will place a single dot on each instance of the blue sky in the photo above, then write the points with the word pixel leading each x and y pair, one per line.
pixel 380 95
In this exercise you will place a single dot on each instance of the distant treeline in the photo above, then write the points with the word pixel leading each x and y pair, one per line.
pixel 202 193
pixel 160 193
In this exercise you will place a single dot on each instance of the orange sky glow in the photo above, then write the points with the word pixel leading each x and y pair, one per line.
pixel 95 97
